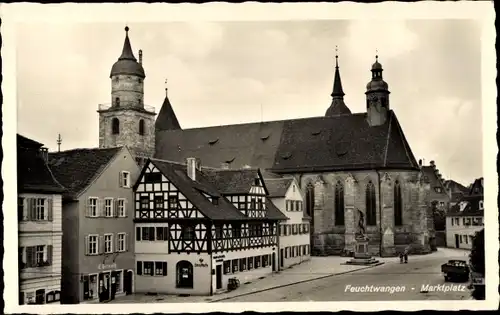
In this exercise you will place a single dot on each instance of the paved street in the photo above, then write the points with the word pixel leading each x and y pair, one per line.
pixel 408 278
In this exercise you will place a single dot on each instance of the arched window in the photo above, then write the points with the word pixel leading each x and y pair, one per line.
pixel 339 204
pixel 115 126
pixel 310 200
pixel 398 207
pixel 117 101
pixel 184 274
pixel 371 204
pixel 141 127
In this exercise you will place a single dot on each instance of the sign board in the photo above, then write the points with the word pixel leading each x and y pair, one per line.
pixel 106 266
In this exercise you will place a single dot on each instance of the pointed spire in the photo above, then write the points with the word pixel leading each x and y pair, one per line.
pixel 127 48
pixel 167 120
pixel 337 83
pixel 338 107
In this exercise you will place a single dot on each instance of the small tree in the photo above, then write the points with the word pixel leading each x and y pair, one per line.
pixel 477 258
pixel 439 216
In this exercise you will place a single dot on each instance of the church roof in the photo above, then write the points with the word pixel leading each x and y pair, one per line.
pixel 344 142
pixel 76 169
pixel 33 173
pixel 167 120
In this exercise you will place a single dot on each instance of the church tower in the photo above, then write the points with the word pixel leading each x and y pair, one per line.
pixel 126 121
pixel 338 107
pixel 377 97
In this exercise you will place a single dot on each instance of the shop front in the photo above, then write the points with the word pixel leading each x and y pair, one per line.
pixel 107 283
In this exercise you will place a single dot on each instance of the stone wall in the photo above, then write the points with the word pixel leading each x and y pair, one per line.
pixel 384 238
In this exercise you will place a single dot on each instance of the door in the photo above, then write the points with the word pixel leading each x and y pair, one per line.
pixel 218 276
pixel 184 274
pixel 127 282
pixel 104 287
pixel 282 257
pixel 114 282
pixel 274 262
pixel 457 241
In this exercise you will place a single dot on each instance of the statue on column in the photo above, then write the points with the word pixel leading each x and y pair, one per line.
pixel 361 228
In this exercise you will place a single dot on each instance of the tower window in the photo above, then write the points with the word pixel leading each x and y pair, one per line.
pixel 141 127
pixel 115 126
pixel 117 101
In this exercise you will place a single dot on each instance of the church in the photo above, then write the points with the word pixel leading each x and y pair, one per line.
pixel 357 170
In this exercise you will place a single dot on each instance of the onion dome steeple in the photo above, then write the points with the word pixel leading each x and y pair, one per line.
pixel 338 107
pixel 127 63
pixel 377 96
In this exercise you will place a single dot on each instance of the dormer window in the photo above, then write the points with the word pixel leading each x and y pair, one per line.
pixel 481 207
pixel 438 190
pixel 215 200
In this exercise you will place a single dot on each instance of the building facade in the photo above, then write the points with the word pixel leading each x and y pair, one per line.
pixel 364 155
pixel 40 232
pixel 197 228
pixel 466 218
pixel 98 226
pixel 294 233
pixel 439 193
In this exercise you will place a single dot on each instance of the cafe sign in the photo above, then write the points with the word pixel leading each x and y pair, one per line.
pixel 106 266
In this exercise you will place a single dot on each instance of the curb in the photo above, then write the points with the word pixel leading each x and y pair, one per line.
pixel 294 283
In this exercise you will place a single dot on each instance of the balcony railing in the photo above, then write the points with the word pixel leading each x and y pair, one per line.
pixel 127 104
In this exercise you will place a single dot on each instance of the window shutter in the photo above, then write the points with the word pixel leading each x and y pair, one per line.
pixel 138 233
pixel 165 233
pixel 152 234
pixel 25 209
pixel 87 245
pixel 31 206
pixel 29 257
pixel 49 254
pixel 49 209
pixel 164 268
pixel 113 245
pixel 87 207
pixel 100 210
pixel 116 242
pixel 126 241
pixel 120 183
pixel 114 207
pixel 101 244
pixel 125 207
pixel 139 268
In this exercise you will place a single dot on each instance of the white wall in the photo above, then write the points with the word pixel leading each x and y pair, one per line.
pixel 464 232
pixel 150 247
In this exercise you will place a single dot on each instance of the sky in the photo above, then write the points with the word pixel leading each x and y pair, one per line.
pixel 233 72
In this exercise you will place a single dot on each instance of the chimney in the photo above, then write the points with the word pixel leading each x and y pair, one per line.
pixel 193 164
pixel 44 153
pixel 140 56
pixel 433 164
pixel 224 166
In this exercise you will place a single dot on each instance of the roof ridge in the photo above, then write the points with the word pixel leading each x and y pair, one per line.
pixel 387 141
pixel 403 138
pixel 87 149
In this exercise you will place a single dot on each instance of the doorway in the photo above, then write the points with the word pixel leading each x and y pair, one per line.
pixel 218 276
pixel 127 282
pixel 282 257
pixel 274 262
pixel 184 274
pixel 457 241
pixel 104 287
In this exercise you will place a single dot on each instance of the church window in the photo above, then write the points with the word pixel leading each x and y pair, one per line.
pixel 398 207
pixel 339 204
pixel 115 126
pixel 117 101
pixel 310 200
pixel 371 205
pixel 141 127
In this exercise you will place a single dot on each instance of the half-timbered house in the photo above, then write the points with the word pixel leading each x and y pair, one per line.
pixel 39 218
pixel 294 233
pixel 196 228
pixel 97 249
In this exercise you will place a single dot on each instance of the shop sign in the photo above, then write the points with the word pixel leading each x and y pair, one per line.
pixel 106 266
pixel 201 264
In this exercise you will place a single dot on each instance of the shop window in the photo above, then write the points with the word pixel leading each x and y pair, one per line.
pixel 250 263
pixel 227 267
pixel 234 264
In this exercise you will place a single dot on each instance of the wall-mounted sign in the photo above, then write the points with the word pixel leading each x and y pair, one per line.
pixel 106 266
pixel 220 256
pixel 201 264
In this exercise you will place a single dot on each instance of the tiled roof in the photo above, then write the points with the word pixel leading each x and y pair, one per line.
pixel 455 186
pixel 273 212
pixel 278 187
pixel 232 181
pixel 33 174
pixel 167 120
pixel 75 169
pixel 477 187
pixel 469 205
pixel 344 142
pixel 456 196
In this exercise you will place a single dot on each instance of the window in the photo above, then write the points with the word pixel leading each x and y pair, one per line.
pixel 310 200
pixel 115 123
pixel 39 254
pixel 257 262
pixel 371 202
pixel 287 249
pixel 339 204
pixel 125 179
pixel 121 208
pixel 141 126
pixel 161 233
pixel 256 182
pixel 144 202
pixel 160 268
pixel 187 233
pixel 152 177
pixel 236 230
pixel 159 202
pixel 234 264
pixel 121 242
pixel 265 260
pixel 481 207
pixel 108 243
pixel 148 268
pixel 108 207
pixel 92 207
pixel 40 296
pixel 260 204
pixel 148 233
pixel 252 204
pixel 173 202
pixel 227 267
pixel 93 241
pixel 218 231
pixel 117 99
pixel 438 189
pixel 250 263
pixel 40 209
pixel 118 277
pixel 243 264
pixel 398 208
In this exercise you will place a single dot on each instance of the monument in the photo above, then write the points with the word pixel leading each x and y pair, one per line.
pixel 361 254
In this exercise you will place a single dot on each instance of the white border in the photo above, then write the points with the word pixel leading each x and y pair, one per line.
pixel 126 13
